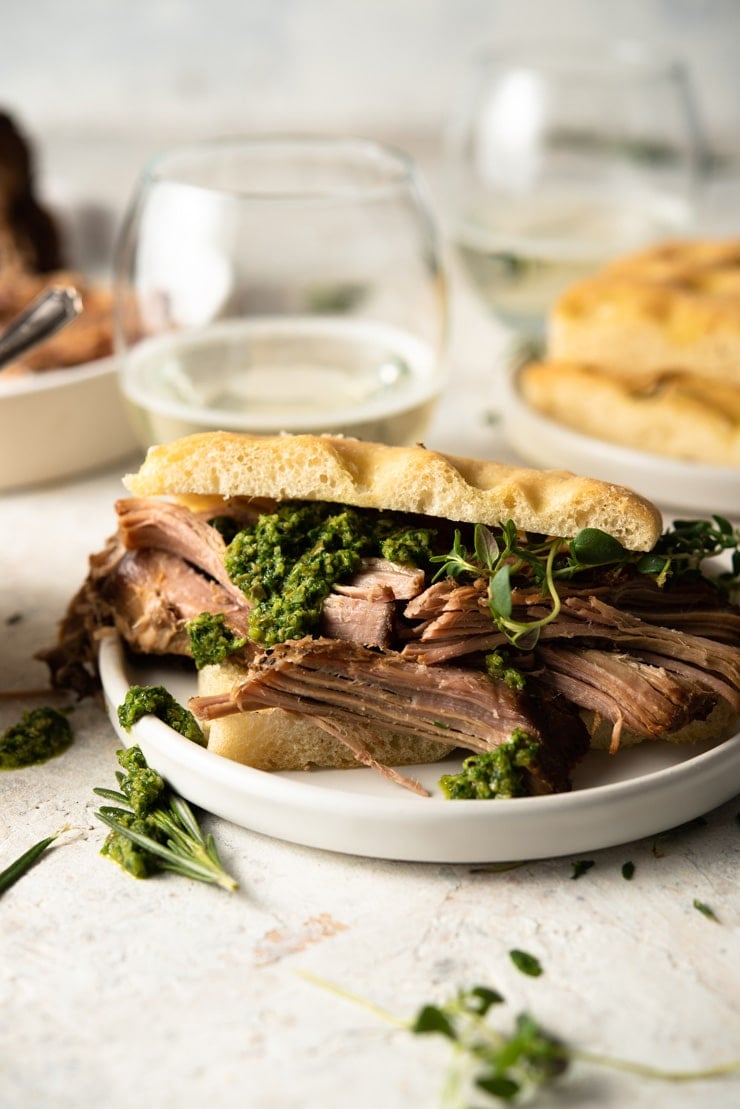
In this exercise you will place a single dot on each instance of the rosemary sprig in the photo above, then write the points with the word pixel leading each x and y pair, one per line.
pixel 152 828
pixel 24 862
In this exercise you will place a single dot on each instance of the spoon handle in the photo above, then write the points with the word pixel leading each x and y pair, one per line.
pixel 52 310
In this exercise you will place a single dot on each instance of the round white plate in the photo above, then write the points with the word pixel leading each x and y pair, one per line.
pixel 57 423
pixel 616 799
pixel 680 485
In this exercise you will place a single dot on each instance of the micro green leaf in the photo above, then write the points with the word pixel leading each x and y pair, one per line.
pixel 500 592
pixel 526 963
pixel 593 547
pixel 505 1089
pixel 482 998
pixel 628 871
pixel 705 910
pixel 431 1018
pixel 582 866
pixel 486 548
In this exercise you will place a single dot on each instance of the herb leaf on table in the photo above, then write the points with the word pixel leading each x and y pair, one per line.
pixel 24 862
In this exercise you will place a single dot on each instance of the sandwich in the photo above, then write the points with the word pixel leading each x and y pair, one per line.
pixel 646 353
pixel 349 603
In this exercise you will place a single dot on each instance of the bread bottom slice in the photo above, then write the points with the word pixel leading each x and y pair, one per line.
pixel 674 415
pixel 273 739
pixel 721 723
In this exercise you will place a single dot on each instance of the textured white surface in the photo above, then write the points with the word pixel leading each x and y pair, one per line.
pixel 168 993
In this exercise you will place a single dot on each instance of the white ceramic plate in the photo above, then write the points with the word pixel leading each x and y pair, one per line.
pixel 616 799
pixel 58 423
pixel 679 485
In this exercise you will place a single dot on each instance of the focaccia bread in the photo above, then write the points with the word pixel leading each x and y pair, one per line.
pixel 400 479
pixel 671 414
pixel 675 306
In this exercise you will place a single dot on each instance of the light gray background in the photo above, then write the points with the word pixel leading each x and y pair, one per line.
pixel 100 84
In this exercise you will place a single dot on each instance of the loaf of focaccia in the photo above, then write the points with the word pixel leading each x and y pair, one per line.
pixel 674 414
pixel 673 307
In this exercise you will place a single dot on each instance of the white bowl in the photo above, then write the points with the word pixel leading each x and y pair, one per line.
pixel 55 424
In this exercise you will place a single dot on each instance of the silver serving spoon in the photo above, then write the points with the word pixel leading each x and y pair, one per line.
pixel 51 311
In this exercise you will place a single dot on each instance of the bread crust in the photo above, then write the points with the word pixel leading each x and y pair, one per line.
pixel 402 479
pixel 675 306
pixel 671 414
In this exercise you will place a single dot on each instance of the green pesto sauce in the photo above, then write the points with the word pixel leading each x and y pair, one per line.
pixel 144 790
pixel 41 734
pixel 134 859
pixel 493 774
pixel 155 700
pixel 211 641
pixel 497 666
pixel 289 560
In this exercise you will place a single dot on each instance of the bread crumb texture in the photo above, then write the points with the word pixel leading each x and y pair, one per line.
pixel 402 479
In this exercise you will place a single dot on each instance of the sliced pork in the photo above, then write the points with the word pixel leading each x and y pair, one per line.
pixel 337 681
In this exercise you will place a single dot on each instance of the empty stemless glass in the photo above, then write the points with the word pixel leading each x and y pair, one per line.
pixel 561 157
pixel 281 284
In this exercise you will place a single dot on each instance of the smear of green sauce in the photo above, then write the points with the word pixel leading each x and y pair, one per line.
pixel 41 734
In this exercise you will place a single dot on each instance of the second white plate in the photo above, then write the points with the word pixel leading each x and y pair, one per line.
pixel 616 799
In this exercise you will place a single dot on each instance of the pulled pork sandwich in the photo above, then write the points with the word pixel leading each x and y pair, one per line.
pixel 351 603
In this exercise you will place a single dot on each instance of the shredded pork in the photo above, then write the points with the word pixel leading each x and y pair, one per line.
pixel 394 652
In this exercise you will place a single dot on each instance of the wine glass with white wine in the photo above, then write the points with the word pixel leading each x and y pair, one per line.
pixel 562 157
pixel 281 283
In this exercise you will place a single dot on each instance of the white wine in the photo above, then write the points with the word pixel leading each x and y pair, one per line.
pixel 522 255
pixel 267 375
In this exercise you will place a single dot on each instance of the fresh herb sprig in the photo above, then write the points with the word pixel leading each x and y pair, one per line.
pixel 501 557
pixel 498 562
pixel 152 828
pixel 24 862
pixel 503 1066
pixel 688 543
pixel 509 1066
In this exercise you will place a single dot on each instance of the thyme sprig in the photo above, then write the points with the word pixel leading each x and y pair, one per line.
pixel 688 543
pixel 507 1066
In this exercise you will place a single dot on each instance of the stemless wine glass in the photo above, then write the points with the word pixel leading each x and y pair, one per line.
pixel 281 283
pixel 562 157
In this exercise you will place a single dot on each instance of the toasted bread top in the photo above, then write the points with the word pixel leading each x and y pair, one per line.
pixel 402 479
